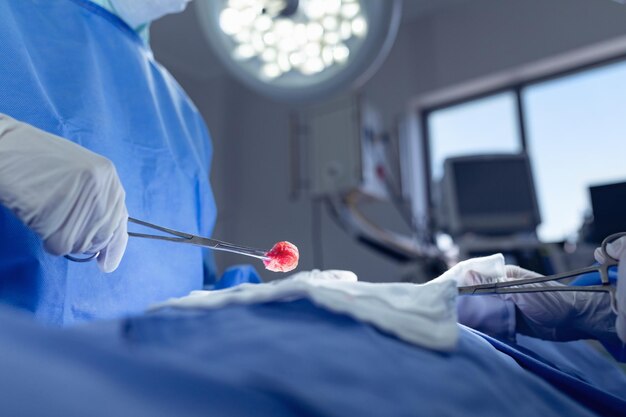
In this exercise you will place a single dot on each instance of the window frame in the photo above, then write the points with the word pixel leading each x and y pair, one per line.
pixel 516 90
pixel 514 81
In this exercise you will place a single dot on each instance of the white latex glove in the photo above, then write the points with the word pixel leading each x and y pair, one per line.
pixel 617 250
pixel 560 316
pixel 71 197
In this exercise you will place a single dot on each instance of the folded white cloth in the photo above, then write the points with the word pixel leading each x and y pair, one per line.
pixel 491 269
pixel 424 315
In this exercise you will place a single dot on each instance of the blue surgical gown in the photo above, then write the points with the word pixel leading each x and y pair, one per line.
pixel 73 69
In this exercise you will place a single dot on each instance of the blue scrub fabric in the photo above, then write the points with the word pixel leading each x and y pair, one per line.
pixel 288 359
pixel 73 69
pixel 237 275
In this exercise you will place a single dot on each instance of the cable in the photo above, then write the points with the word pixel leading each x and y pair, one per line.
pixel 316 233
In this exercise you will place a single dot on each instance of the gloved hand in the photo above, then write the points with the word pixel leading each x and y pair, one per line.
pixel 559 316
pixel 547 315
pixel 71 197
pixel 617 250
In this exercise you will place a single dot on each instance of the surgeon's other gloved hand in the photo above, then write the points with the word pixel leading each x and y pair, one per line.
pixel 71 197
pixel 559 316
pixel 617 250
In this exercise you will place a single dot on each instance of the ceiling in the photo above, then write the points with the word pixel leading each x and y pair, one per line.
pixel 413 9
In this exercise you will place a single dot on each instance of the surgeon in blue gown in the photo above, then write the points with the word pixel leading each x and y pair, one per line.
pixel 92 128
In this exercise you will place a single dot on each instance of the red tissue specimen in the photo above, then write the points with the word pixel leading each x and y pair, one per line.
pixel 283 257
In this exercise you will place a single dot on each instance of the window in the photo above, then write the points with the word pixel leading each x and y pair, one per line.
pixel 576 137
pixel 486 125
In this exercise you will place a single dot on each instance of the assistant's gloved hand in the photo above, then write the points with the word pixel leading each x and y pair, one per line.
pixel 71 197
pixel 617 250
pixel 559 316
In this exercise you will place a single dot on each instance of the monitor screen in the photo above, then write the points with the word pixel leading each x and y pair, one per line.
pixel 607 202
pixel 492 194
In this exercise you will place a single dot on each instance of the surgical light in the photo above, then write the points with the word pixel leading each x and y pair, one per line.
pixel 300 50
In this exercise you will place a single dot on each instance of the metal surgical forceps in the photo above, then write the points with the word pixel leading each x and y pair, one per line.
pixel 181 237
pixel 517 286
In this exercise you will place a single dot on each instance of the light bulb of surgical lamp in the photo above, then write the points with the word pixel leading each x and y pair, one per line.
pixel 243 36
pixel 313 49
pixel 296 59
pixel 314 31
pixel 269 38
pixel 287 45
pixel 312 66
pixel 257 43
pixel 230 21
pixel 330 22
pixel 332 6
pixel 332 38
pixel 359 26
pixel 283 28
pixel 248 16
pixel 270 71
pixel 350 10
pixel 238 4
pixel 269 55
pixel 345 30
pixel 300 34
pixel 263 23
pixel 283 62
pixel 328 55
pixel 244 51
pixel 315 9
pixel 341 53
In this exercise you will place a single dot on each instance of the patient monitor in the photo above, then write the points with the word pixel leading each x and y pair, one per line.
pixel 489 195
pixel 490 206
pixel 608 214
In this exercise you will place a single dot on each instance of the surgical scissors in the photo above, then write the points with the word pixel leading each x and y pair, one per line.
pixel 181 237
pixel 516 286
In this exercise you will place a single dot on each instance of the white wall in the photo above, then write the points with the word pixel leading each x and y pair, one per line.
pixel 251 134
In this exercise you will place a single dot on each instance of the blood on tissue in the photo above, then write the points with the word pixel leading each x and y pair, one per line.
pixel 283 257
